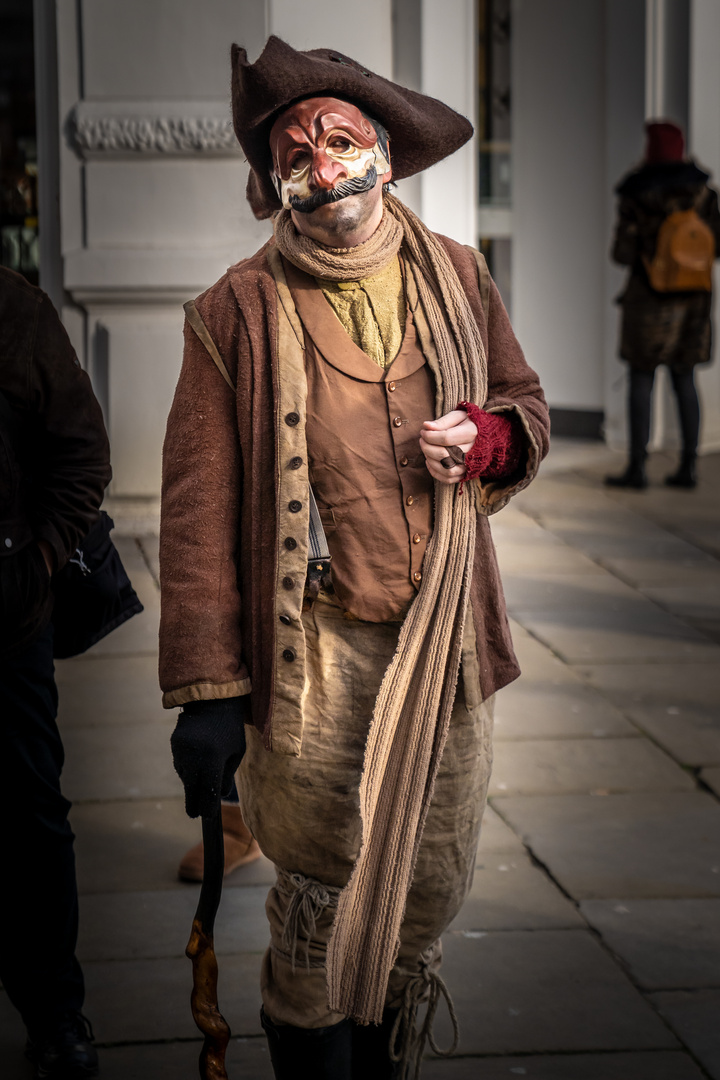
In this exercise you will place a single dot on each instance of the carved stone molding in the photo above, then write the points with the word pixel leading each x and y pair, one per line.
pixel 115 131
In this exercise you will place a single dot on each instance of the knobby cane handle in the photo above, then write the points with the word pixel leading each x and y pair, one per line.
pixel 201 951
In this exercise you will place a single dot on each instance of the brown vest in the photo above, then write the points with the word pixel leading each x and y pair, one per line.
pixel 367 470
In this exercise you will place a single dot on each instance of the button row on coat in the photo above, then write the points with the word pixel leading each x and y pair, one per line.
pixel 292 419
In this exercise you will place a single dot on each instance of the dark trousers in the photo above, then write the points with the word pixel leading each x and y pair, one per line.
pixel 640 400
pixel 38 897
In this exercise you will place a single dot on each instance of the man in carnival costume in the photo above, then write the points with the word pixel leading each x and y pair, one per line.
pixel 368 366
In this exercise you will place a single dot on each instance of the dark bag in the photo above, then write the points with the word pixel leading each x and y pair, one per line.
pixel 93 594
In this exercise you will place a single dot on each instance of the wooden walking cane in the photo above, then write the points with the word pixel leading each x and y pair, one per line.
pixel 201 951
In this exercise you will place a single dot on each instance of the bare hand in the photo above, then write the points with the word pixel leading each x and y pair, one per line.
pixel 453 429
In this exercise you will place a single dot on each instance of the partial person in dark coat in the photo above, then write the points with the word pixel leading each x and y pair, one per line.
pixel 54 467
pixel 669 327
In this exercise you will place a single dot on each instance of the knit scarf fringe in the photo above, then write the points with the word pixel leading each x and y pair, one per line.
pixel 412 711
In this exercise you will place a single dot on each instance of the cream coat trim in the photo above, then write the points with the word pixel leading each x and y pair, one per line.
pixel 289 678
pixel 205 691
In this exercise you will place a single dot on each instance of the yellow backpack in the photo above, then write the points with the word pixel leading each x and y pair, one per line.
pixel 684 254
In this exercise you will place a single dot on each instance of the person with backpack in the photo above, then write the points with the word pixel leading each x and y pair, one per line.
pixel 668 234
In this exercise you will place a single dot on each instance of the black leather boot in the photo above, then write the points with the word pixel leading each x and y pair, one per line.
pixel 64 1050
pixel 310 1053
pixel 686 475
pixel 371 1050
pixel 633 477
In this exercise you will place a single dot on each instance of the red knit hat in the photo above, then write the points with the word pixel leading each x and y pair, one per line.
pixel 665 142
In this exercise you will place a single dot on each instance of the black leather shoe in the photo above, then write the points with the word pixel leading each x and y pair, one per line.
pixel 309 1053
pixel 686 476
pixel 633 477
pixel 65 1051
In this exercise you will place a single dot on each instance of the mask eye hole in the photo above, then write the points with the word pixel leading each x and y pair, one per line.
pixel 299 160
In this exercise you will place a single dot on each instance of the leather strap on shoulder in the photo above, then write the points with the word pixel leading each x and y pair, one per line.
pixel 195 320
pixel 483 278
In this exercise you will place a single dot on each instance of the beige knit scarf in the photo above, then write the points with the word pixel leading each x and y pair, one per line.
pixel 413 707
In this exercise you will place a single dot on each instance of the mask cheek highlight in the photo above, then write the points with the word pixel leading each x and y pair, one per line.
pixel 297 185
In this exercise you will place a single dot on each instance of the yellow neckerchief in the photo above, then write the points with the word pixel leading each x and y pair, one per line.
pixel 372 311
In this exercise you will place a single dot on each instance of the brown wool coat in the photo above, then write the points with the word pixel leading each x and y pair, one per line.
pixel 225 487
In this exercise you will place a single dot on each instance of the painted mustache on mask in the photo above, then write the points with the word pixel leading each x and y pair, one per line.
pixel 343 189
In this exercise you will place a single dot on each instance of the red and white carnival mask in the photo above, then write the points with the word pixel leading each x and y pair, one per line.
pixel 324 149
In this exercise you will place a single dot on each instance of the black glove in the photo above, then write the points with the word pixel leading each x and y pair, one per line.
pixel 207 746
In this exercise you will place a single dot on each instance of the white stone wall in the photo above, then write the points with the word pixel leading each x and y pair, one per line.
pixel 704 143
pixel 559 196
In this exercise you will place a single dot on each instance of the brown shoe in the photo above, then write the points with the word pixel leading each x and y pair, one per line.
pixel 240 847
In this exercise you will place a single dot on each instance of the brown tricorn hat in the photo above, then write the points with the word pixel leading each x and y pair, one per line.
pixel 422 130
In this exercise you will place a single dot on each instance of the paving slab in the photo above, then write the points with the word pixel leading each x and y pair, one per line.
pixel 654 845
pixel 667 944
pixel 136 846
pixel 538 710
pixel 544 559
pixel 101 692
pixel 543 991
pixel 510 893
pixel 150 548
pixel 712 778
pixel 634 631
pixel 597 766
pixel 497 838
pixel 652 1065
pixel 155 925
pixel 246 1058
pixel 676 704
pixel 527 592
pixel 647 572
pixel 120 762
pixel 697 605
pixel 537 661
pixel 694 1017
pixel 144 1000
pixel 621 535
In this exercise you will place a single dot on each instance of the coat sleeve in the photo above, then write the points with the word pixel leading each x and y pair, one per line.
pixel 71 456
pixel 201 655
pixel 514 390
pixel 626 248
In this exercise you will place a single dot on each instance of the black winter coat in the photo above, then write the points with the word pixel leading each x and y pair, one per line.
pixel 54 454
pixel 661 328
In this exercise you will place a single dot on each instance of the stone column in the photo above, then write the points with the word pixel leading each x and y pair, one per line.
pixel 153 207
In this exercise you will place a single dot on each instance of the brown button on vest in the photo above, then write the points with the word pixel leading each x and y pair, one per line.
pixel 367 470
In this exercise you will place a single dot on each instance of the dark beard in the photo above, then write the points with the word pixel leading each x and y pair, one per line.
pixel 343 189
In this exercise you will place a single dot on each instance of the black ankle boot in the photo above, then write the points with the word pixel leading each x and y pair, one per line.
pixel 686 476
pixel 321 1053
pixel 371 1050
pixel 633 477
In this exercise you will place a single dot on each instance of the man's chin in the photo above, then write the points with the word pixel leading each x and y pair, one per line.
pixel 349 210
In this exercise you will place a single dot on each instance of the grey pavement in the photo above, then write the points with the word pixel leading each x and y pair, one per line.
pixel 589 946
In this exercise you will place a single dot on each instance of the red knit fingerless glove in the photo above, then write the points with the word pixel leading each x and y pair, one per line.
pixel 498 446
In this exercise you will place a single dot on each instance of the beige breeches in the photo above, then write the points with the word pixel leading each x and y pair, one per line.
pixel 304 812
